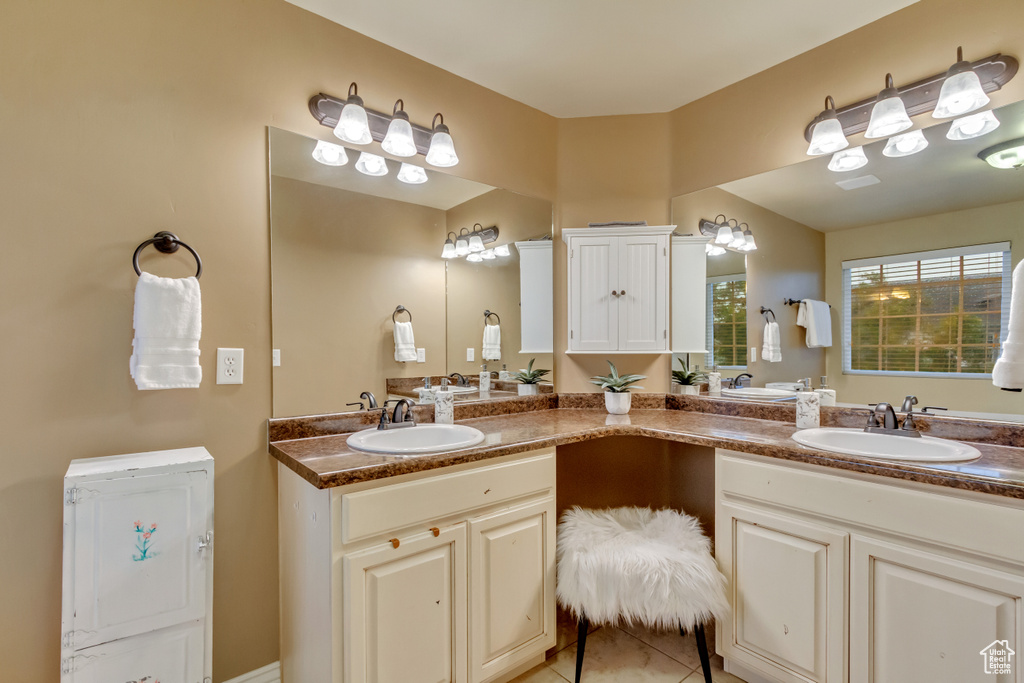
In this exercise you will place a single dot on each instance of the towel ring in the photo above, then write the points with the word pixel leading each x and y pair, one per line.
pixel 766 311
pixel 487 316
pixel 401 309
pixel 166 243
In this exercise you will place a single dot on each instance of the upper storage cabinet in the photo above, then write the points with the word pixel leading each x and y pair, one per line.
pixel 618 289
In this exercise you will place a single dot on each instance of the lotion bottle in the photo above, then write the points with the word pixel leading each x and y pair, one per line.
pixel 714 382
pixel 444 405
pixel 828 396
pixel 808 410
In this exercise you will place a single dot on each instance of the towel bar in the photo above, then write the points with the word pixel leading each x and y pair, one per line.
pixel 401 309
pixel 796 302
pixel 166 243
pixel 487 316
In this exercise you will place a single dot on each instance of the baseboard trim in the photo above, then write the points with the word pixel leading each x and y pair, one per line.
pixel 743 672
pixel 271 673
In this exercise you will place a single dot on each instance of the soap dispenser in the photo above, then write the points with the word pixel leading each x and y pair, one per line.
pixel 444 405
pixel 714 381
pixel 426 392
pixel 504 375
pixel 828 396
pixel 485 379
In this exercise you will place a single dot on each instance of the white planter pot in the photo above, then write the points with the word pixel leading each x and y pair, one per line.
pixel 689 389
pixel 617 403
pixel 528 389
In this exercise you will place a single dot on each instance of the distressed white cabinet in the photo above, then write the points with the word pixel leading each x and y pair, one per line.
pixel 618 289
pixel 435 576
pixel 138 568
pixel 536 302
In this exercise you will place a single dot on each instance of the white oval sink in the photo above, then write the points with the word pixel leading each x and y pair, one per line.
pixel 758 392
pixel 853 441
pixel 426 438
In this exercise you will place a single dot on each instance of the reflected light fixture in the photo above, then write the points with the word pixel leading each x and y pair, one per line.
pixel 848 160
pixel 474 258
pixel 738 239
pixel 398 140
pixel 441 152
pixel 462 243
pixel 371 164
pixel 414 175
pixel 1009 154
pixel 906 144
pixel 748 238
pixel 448 250
pixel 488 254
pixel 353 125
pixel 827 136
pixel 715 250
pixel 889 115
pixel 330 154
pixel 502 250
pixel 476 242
pixel 961 91
pixel 973 126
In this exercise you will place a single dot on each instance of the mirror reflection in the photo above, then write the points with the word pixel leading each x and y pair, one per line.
pixel 913 254
pixel 348 249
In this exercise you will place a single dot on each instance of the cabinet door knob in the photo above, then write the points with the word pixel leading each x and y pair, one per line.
pixel 614 293
pixel 622 293
pixel 434 530
pixel 394 542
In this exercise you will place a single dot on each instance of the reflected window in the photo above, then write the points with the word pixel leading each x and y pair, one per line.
pixel 727 321
pixel 939 313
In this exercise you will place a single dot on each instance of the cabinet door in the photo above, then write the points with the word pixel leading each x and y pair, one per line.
pixel 915 616
pixel 512 587
pixel 136 561
pixel 404 610
pixel 787 591
pixel 173 655
pixel 643 293
pixel 593 279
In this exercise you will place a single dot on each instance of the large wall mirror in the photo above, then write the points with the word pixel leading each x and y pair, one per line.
pixel 348 249
pixel 912 253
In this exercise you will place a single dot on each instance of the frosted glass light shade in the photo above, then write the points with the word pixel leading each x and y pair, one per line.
pixel 848 160
pixel 738 240
pixel 441 152
pixel 353 125
pixel 476 244
pixel 371 164
pixel 960 93
pixel 888 117
pixel 716 250
pixel 488 254
pixel 414 175
pixel 827 137
pixel 748 238
pixel 461 246
pixel 448 250
pixel 398 140
pixel 906 144
pixel 330 154
pixel 474 258
pixel 724 235
pixel 708 247
pixel 502 250
pixel 973 126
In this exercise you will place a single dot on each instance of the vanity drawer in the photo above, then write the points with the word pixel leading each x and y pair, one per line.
pixel 395 506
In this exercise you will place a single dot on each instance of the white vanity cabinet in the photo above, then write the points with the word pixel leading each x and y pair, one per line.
pixel 837 576
pixel 444 575
pixel 618 289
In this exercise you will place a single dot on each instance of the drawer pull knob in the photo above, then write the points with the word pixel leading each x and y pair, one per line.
pixel 435 531
pixel 394 542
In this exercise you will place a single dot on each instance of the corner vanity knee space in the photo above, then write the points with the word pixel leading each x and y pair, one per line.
pixel 444 575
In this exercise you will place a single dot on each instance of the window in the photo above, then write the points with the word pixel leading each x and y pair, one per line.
pixel 935 314
pixel 727 321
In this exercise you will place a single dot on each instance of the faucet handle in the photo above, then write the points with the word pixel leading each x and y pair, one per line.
pixel 872 417
pixel 357 403
pixel 908 404
pixel 927 408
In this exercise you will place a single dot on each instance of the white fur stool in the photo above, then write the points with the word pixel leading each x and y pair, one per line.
pixel 635 565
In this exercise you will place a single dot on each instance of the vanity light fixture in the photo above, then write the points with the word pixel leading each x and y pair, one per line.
pixel 414 175
pixel 1009 154
pixel 889 115
pixel 476 242
pixel 448 250
pixel 471 242
pixel 973 126
pixel 906 144
pixel 738 239
pixel 848 160
pixel 488 255
pixel 352 125
pixel 330 154
pixel 961 90
pixel 502 250
pixel 442 148
pixel 462 243
pixel 371 164
pixel 827 135
pixel 475 258
pixel 398 140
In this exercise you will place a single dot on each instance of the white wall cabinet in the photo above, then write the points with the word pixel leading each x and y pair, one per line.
pixel 838 577
pixel 689 298
pixel 435 576
pixel 618 289
pixel 536 302
pixel 138 568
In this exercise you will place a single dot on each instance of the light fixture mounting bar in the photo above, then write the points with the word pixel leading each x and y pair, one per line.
pixel 708 228
pixel 920 97
pixel 326 109
pixel 488 235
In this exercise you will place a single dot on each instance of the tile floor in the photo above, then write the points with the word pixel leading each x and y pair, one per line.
pixel 625 654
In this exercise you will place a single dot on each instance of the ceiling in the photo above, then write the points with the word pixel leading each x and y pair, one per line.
pixel 575 58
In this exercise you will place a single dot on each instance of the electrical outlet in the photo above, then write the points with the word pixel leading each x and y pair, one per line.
pixel 229 366
pixel 421 355
pixel 753 354
pixel 276 358
pixel 470 353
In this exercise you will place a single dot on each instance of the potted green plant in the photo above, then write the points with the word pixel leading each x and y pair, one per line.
pixel 687 381
pixel 617 398
pixel 529 379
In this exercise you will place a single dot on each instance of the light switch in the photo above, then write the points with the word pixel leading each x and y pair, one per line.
pixel 276 358
pixel 470 353
pixel 421 355
pixel 753 354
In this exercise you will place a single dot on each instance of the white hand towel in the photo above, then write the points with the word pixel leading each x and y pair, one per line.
pixel 1008 372
pixel 817 318
pixel 492 342
pixel 168 323
pixel 405 343
pixel 771 349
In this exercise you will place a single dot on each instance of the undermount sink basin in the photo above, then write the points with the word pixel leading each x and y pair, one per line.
pixel 418 440
pixel 758 392
pixel 885 446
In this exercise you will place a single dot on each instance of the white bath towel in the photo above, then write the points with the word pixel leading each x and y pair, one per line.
pixel 405 343
pixel 771 349
pixel 168 323
pixel 1008 372
pixel 492 342
pixel 817 318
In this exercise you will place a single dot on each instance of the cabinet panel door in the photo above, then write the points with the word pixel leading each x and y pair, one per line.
pixel 173 655
pixel 404 610
pixel 787 580
pixel 916 616
pixel 512 587
pixel 643 287
pixel 593 265
pixel 136 563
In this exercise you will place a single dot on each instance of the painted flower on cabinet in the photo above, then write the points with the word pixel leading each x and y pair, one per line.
pixel 144 544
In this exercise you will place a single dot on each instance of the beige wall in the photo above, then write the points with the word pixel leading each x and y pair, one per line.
pixel 342 262
pixel 123 118
pixel 997 223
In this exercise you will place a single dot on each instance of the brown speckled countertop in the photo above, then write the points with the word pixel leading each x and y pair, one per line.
pixel 325 460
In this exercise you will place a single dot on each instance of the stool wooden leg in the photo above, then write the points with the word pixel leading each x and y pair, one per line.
pixel 702 651
pixel 581 644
